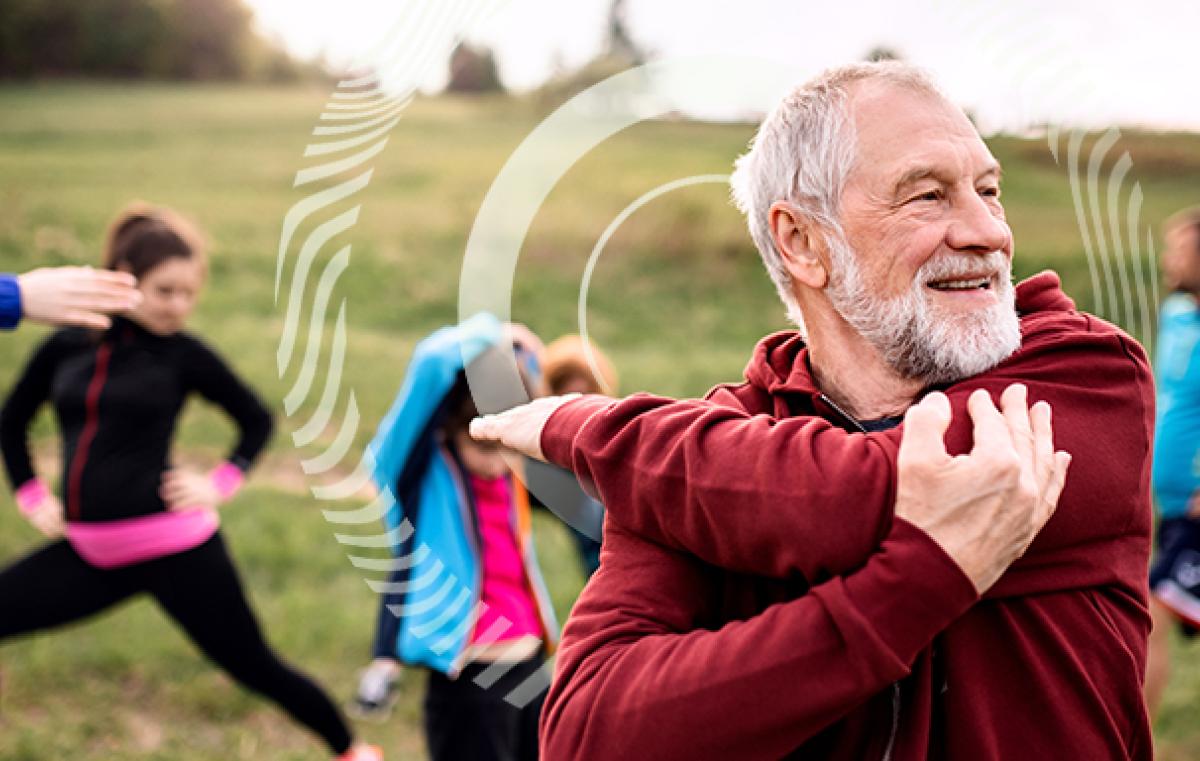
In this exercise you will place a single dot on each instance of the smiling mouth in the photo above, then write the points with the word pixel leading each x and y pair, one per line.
pixel 982 283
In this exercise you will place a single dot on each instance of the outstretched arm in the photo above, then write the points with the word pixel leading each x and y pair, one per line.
pixel 66 296
pixel 799 496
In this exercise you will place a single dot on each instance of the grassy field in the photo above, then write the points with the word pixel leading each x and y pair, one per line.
pixel 678 300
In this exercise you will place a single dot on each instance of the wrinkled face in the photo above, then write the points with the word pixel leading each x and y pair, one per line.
pixel 1181 259
pixel 924 271
pixel 482 459
pixel 169 293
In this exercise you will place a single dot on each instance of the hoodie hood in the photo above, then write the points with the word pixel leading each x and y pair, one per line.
pixel 780 361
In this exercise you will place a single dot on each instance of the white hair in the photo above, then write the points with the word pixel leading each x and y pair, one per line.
pixel 803 152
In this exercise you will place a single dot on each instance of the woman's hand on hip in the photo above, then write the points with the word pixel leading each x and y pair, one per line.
pixel 47 517
pixel 184 489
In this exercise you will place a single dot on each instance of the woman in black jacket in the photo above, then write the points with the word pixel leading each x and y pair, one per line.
pixel 128 522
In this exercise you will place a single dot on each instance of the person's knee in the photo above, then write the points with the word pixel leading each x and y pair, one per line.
pixel 259 669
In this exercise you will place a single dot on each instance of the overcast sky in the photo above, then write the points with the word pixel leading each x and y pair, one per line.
pixel 1013 63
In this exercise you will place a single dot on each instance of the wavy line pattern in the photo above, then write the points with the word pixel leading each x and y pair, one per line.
pixel 1124 285
pixel 351 134
pixel 1107 206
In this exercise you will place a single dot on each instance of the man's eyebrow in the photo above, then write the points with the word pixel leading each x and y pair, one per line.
pixel 923 172
pixel 914 174
pixel 994 170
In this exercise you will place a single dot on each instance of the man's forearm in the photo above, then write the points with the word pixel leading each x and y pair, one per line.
pixel 632 680
pixel 800 496
pixel 743 492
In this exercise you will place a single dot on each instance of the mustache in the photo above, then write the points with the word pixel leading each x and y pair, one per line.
pixel 959 266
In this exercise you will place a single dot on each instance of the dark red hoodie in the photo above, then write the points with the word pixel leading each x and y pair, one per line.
pixel 756 599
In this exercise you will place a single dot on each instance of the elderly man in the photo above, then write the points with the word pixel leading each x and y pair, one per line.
pixel 762 593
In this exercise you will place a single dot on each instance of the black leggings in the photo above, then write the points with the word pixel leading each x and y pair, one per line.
pixel 466 721
pixel 198 588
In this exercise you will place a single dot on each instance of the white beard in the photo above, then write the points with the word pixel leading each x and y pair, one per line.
pixel 912 335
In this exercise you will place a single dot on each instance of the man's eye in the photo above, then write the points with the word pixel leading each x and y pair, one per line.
pixel 929 195
pixel 991 192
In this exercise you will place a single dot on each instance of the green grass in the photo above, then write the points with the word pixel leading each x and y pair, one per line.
pixel 128 684
pixel 678 300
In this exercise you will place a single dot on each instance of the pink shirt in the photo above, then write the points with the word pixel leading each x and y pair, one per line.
pixel 509 611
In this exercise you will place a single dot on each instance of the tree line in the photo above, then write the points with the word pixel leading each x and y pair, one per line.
pixel 153 39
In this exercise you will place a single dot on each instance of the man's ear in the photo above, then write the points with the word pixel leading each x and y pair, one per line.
pixel 798 241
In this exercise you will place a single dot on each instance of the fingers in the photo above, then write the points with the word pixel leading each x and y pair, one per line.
pixel 489 427
pixel 101 291
pixel 48 519
pixel 76 295
pixel 51 527
pixel 521 335
pixel 175 488
pixel 85 319
pixel 519 428
pixel 990 427
pixel 176 496
pixel 1062 462
pixel 925 427
pixel 1043 442
pixel 1014 406
pixel 103 301
pixel 112 278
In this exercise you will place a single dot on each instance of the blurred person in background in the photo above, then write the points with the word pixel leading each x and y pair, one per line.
pixel 79 296
pixel 573 365
pixel 128 522
pixel 1175 574
pixel 461 518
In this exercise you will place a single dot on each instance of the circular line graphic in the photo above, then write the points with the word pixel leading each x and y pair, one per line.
pixel 619 220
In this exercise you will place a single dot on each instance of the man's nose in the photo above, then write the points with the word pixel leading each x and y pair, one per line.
pixel 977 227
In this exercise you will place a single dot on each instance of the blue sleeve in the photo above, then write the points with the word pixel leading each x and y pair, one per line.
pixel 10 302
pixel 435 365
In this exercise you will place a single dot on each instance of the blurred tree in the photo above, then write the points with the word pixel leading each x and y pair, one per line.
pixel 620 45
pixel 213 37
pixel 473 70
pixel 883 53
pixel 620 53
pixel 176 39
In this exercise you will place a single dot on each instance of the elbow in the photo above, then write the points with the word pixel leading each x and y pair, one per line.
pixel 12 431
pixel 583 721
pixel 257 422
pixel 564 731
pixel 266 424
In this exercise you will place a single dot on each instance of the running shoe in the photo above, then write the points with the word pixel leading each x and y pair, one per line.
pixel 362 753
pixel 1180 590
pixel 377 692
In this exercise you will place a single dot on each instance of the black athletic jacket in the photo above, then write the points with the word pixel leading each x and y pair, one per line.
pixel 117 396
